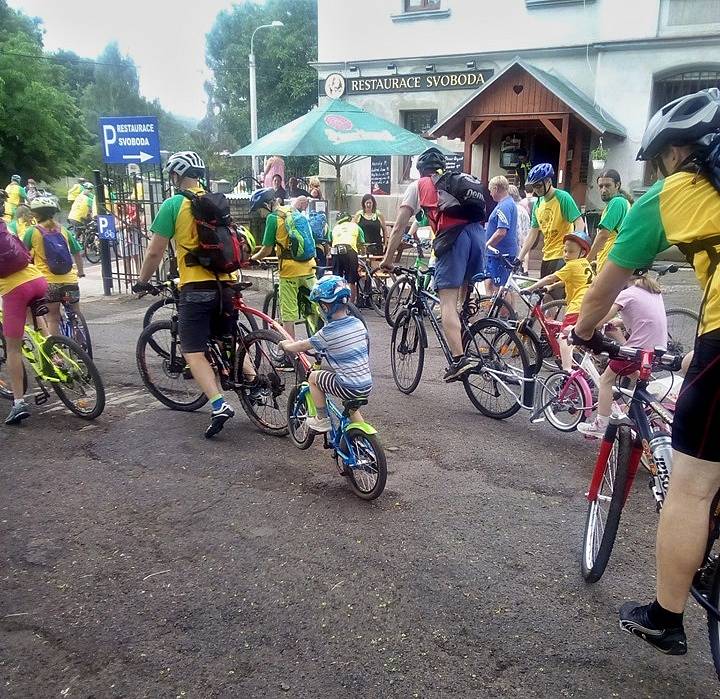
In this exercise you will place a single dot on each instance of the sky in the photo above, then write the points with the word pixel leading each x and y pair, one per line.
pixel 166 40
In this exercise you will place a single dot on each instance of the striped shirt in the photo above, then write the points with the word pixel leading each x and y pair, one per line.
pixel 344 342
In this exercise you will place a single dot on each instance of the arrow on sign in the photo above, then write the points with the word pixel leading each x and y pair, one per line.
pixel 142 157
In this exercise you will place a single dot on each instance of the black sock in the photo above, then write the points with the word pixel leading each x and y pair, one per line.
pixel 662 618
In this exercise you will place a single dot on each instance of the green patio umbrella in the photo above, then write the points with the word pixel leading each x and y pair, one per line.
pixel 338 133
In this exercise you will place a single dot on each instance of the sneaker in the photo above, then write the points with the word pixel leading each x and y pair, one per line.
pixel 285 364
pixel 457 369
pixel 218 419
pixel 592 429
pixel 318 424
pixel 635 619
pixel 19 412
pixel 255 391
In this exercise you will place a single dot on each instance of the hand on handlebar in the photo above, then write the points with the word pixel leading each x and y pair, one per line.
pixel 597 343
pixel 145 288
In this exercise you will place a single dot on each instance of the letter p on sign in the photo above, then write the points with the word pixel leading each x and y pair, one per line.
pixel 109 137
pixel 106 227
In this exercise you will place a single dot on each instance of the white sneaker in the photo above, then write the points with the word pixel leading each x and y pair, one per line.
pixel 592 429
pixel 318 424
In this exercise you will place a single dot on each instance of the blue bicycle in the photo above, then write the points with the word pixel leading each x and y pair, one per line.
pixel 356 448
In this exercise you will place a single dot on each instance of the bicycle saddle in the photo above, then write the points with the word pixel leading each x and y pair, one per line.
pixel 241 286
pixel 39 307
pixel 352 405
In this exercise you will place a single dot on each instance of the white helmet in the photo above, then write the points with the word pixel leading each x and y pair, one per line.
pixel 44 203
pixel 185 163
pixel 88 185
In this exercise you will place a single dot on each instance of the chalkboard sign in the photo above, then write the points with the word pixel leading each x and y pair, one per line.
pixel 454 162
pixel 380 174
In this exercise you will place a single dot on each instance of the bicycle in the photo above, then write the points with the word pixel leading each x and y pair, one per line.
pixel 355 446
pixel 59 362
pixel 74 325
pixel 371 288
pixel 87 235
pixel 399 292
pixel 245 362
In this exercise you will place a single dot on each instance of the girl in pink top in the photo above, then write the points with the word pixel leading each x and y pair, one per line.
pixel 643 316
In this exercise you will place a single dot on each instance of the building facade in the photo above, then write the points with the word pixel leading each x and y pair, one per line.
pixel 506 84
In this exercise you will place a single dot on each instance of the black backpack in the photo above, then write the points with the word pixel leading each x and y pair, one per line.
pixel 221 248
pixel 469 194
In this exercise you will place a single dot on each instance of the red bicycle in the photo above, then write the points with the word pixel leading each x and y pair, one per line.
pixel 247 361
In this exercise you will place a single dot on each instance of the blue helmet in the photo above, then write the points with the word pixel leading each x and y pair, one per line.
pixel 329 289
pixel 262 198
pixel 539 173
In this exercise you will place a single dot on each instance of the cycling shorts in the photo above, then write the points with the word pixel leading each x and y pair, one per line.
pixel 497 269
pixel 345 264
pixel 569 320
pixel 15 304
pixel 57 292
pixel 288 295
pixel 464 260
pixel 696 424
pixel 206 310
pixel 328 383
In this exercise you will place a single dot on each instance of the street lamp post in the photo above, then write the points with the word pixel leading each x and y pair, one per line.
pixel 253 88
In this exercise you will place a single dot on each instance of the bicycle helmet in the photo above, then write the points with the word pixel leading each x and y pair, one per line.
pixel 430 161
pixel 343 218
pixel 262 198
pixel 332 290
pixel 692 119
pixel 581 238
pixel 540 172
pixel 185 163
pixel 44 203
pixel 15 178
pixel 88 185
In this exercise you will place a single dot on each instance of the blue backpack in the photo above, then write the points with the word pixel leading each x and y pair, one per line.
pixel 300 236
pixel 318 225
pixel 57 253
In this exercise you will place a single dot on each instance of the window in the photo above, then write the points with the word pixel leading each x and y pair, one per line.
pixel 421 5
pixel 413 10
pixel 418 121
pixel 689 16
pixel 549 3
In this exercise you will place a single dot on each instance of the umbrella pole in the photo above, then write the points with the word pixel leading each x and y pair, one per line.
pixel 338 185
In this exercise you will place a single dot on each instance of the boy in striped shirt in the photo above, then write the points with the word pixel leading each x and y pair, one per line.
pixel 343 341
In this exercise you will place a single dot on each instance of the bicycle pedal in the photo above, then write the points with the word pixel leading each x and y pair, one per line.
pixel 41 398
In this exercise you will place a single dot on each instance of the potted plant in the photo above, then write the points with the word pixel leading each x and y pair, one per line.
pixel 599 156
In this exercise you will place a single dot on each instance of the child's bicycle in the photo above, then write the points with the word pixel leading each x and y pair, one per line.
pixel 356 448
pixel 59 362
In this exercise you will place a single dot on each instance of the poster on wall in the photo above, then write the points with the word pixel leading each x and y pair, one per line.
pixel 380 174
pixel 454 162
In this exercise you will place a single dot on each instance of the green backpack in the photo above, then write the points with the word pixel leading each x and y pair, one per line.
pixel 302 242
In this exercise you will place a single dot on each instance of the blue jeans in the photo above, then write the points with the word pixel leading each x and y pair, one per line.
pixel 464 260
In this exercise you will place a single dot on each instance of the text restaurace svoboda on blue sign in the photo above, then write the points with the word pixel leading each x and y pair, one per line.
pixel 130 139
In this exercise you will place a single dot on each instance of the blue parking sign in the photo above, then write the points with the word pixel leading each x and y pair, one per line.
pixel 130 139
pixel 106 227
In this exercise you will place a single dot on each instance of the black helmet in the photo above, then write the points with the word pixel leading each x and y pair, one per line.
pixel 688 120
pixel 430 160
pixel 262 198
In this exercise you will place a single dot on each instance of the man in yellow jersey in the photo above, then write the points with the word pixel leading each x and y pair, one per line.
pixel 683 207
pixel 347 239
pixel 555 214
pixel 206 298
pixel 16 195
pixel 82 206
pixel 617 206
pixel 75 190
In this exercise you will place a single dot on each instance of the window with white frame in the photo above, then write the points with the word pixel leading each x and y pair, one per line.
pixel 689 16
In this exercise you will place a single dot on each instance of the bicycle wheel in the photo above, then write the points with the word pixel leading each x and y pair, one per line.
pixel 162 309
pixel 397 298
pixel 81 333
pixel 682 325
pixel 376 291
pixel 91 248
pixel 301 435
pixel 491 307
pixel 496 384
pixel 271 307
pixel 565 401
pixel 407 351
pixel 266 402
pixel 164 371
pixel 369 473
pixel 5 388
pixel 713 622
pixel 603 514
pixel 533 345
pixel 81 389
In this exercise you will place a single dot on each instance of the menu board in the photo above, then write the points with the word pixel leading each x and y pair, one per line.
pixel 380 174
pixel 454 162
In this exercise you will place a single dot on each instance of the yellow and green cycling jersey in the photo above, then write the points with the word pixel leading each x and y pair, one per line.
pixel 554 217
pixel 612 217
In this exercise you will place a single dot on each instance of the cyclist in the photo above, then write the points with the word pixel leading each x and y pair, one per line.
pixel 456 267
pixel 554 214
pixel 80 211
pixel 682 141
pixel 501 232
pixel 75 190
pixel 347 239
pixel 343 341
pixel 294 275
pixel 617 205
pixel 53 249
pixel 576 276
pixel 20 284
pixel 206 299
pixel 16 195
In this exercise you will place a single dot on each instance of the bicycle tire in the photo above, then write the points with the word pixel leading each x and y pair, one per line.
pixel 5 388
pixel 376 293
pixel 496 348
pixel 271 308
pixel 255 346
pixel 81 333
pixel 155 307
pixel 175 370
pixel 395 300
pixel 680 342
pixel 407 339
pixel 493 307
pixel 302 437
pixel 714 623
pixel 91 248
pixel 355 437
pixel 595 559
pixel 574 398
pixel 55 342
pixel 532 344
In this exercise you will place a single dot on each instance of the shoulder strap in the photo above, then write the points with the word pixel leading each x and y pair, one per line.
pixel 707 245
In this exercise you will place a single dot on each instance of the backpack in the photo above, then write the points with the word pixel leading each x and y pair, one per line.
pixel 318 225
pixel 14 256
pixel 221 247
pixel 57 253
pixel 468 194
pixel 300 235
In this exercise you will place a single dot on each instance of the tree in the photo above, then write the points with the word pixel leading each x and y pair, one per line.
pixel 286 84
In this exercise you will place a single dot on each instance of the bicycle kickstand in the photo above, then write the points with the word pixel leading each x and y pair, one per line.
pixel 42 397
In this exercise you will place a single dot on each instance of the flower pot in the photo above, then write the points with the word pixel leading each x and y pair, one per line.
pixel 598 164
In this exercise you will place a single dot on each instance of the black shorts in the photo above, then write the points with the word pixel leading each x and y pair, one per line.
pixel 206 310
pixel 550 267
pixel 56 293
pixel 345 264
pixel 696 424
pixel 374 248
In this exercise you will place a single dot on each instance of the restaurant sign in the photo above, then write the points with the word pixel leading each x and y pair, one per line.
pixel 336 85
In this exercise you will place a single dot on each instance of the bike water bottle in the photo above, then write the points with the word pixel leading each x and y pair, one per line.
pixel 661 448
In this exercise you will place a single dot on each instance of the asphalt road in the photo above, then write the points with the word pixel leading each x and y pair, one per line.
pixel 141 560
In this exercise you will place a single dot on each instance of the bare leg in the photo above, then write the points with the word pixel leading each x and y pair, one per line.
pixel 317 394
pixel 53 318
pixel 451 319
pixel 565 353
pixel 203 373
pixel 605 395
pixel 14 365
